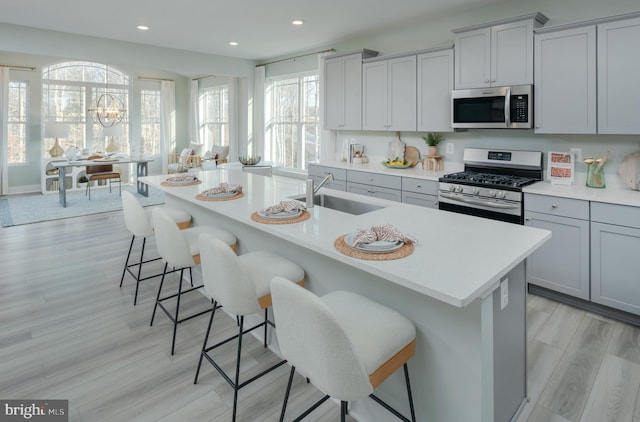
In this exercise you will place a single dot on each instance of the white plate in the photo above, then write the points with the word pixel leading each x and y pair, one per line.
pixel 377 246
pixel 181 182
pixel 220 195
pixel 280 215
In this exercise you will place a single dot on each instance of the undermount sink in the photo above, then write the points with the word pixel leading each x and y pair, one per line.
pixel 340 204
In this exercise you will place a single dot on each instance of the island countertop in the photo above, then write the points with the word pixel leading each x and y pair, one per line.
pixel 457 258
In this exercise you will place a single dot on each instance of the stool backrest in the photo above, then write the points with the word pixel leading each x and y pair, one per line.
pixel 311 339
pixel 225 279
pixel 135 218
pixel 172 246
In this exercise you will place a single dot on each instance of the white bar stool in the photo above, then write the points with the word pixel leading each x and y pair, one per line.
pixel 241 284
pixel 138 222
pixel 344 343
pixel 180 250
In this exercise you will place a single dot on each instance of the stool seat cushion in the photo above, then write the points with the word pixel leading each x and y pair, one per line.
pixel 261 266
pixel 376 332
pixel 179 216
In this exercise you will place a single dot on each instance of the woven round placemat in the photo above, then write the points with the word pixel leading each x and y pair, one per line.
pixel 304 216
pixel 342 247
pixel 173 185
pixel 201 197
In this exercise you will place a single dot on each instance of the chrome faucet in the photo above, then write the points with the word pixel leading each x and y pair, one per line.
pixel 312 190
pixel 327 178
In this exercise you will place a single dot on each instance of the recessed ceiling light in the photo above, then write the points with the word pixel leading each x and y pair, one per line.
pixel 297 22
pixel 233 43
pixel 142 27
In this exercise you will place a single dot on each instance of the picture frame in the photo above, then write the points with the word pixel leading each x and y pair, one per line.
pixel 561 167
pixel 355 150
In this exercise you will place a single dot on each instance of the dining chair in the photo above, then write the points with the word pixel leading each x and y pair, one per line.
pixel 101 172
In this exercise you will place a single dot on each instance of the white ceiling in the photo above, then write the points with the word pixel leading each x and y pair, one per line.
pixel 262 29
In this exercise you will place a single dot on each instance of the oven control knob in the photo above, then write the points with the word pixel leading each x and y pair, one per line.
pixel 459 188
pixel 491 193
pixel 475 191
pixel 452 188
pixel 500 195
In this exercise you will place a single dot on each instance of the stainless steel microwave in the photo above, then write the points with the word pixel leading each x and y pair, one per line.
pixel 505 107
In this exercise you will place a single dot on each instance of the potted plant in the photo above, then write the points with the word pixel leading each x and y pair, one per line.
pixel 432 140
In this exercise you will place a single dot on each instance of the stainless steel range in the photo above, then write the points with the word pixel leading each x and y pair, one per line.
pixel 491 184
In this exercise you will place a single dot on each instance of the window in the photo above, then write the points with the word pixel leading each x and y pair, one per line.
pixel 213 116
pixel 68 89
pixel 17 124
pixel 150 121
pixel 293 121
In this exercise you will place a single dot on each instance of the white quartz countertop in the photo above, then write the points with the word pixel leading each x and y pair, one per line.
pixel 457 259
pixel 375 166
pixel 613 194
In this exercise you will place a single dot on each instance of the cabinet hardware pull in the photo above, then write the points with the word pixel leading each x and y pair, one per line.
pixel 554 206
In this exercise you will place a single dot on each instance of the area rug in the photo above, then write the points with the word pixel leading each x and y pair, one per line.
pixel 25 209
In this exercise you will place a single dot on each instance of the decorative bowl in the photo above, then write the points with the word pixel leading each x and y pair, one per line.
pixel 248 160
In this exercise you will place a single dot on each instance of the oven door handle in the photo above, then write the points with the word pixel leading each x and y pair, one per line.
pixel 479 202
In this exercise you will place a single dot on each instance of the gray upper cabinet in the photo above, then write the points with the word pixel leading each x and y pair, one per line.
pixel 343 90
pixel 565 81
pixel 497 53
pixel 435 83
pixel 615 241
pixel 389 94
pixel 562 263
pixel 618 76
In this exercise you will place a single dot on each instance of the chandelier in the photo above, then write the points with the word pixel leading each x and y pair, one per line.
pixel 107 110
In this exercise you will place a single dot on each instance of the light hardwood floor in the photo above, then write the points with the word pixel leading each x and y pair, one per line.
pixel 67 331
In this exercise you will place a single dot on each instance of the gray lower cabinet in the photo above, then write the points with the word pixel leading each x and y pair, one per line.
pixel 375 191
pixel 561 264
pixel 615 267
pixel 317 173
pixel 374 184
pixel 420 192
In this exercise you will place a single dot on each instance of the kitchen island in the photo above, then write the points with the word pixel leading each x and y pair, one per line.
pixel 470 362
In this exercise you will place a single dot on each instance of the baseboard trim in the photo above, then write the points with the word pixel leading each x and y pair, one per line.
pixel 596 308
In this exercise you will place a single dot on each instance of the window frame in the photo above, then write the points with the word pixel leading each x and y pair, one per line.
pixel 107 79
pixel 25 123
pixel 299 121
pixel 222 119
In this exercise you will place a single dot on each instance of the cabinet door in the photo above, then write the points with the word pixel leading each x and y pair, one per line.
pixel 352 110
pixel 512 54
pixel 374 96
pixel 562 263
pixel 473 55
pixel 386 193
pixel 420 199
pixel 359 189
pixel 565 82
pixel 615 267
pixel 401 77
pixel 435 83
pixel 618 81
pixel 333 93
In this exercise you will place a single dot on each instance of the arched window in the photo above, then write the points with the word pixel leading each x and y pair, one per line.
pixel 67 91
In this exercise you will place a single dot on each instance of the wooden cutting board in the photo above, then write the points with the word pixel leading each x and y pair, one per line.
pixel 412 155
pixel 630 170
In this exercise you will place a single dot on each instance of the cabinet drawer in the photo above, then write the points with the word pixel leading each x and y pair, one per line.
pixel 419 186
pixel 386 181
pixel 621 215
pixel 321 171
pixel 554 205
